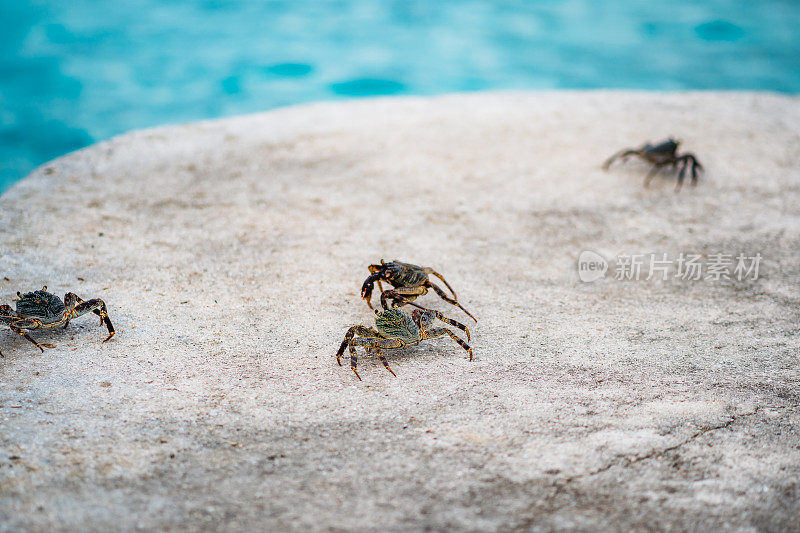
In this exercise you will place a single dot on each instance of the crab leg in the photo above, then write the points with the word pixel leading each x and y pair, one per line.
pixel 385 362
pixel 96 306
pixel 354 361
pixel 348 342
pixel 624 154
pixel 378 342
pixel 22 333
pixel 374 344
pixel 684 164
pixel 696 167
pixel 360 330
pixel 434 273
pixel 378 352
pixel 401 294
pixel 452 322
pixel 688 162
pixel 370 342
pixel 444 297
pixel 651 175
pixel 438 332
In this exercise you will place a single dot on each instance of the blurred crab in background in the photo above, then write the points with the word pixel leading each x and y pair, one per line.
pixel 396 329
pixel 664 154
pixel 44 310
pixel 409 282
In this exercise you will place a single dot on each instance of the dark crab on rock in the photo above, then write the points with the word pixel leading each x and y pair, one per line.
pixel 664 154
pixel 44 310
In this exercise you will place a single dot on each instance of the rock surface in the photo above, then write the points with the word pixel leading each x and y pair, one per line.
pixel 231 255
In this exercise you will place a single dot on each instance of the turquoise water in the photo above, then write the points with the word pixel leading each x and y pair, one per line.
pixel 72 73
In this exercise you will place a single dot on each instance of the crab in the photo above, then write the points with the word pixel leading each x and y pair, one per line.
pixel 662 155
pixel 44 310
pixel 409 282
pixel 396 329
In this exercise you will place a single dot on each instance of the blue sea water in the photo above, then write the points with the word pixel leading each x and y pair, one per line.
pixel 72 73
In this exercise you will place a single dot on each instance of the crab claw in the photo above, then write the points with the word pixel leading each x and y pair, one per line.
pixel 367 287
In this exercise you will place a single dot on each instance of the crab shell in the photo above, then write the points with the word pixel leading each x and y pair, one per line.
pixel 668 147
pixel 395 324
pixel 42 305
pixel 402 274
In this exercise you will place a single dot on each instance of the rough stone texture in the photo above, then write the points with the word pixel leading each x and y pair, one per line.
pixel 231 255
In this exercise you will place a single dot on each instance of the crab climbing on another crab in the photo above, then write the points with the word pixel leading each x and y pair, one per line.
pixel 44 310
pixel 396 329
pixel 409 282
